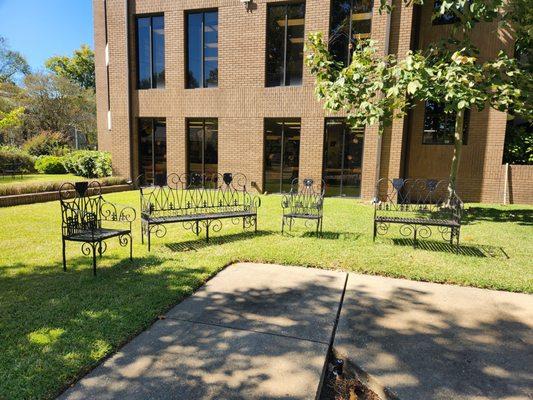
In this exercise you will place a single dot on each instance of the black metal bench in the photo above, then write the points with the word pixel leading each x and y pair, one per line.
pixel 194 199
pixel 83 210
pixel 418 205
pixel 12 170
pixel 304 201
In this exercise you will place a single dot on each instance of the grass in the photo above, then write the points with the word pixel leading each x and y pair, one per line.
pixel 32 178
pixel 56 326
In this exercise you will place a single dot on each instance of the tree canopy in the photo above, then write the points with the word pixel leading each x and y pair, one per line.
pixel 12 63
pixel 79 68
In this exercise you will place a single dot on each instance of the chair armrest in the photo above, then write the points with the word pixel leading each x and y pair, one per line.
pixel 117 212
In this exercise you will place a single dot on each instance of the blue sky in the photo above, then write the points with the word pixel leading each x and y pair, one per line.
pixel 40 29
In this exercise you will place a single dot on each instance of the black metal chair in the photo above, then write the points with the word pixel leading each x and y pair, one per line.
pixel 83 210
pixel 304 201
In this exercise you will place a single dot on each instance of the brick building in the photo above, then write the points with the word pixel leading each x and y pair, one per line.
pixel 218 85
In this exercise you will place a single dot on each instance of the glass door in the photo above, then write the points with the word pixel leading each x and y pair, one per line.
pixel 202 146
pixel 343 156
pixel 282 153
pixel 153 151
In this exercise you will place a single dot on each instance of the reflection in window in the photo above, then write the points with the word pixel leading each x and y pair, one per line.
pixel 285 44
pixel 202 49
pixel 202 146
pixel 151 52
pixel 439 127
pixel 282 153
pixel 448 17
pixel 153 151
pixel 343 156
pixel 351 21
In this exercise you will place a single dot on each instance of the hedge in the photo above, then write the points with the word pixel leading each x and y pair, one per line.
pixel 12 155
pixel 89 163
pixel 50 165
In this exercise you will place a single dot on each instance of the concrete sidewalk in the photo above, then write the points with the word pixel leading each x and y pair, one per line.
pixel 252 332
pixel 428 341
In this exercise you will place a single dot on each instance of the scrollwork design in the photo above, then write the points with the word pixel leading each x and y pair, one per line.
pixel 102 247
pixel 424 231
pixel 215 225
pixel 445 232
pixel 87 248
pixel 124 240
pixel 127 214
pixel 158 230
pixel 407 230
pixel 382 228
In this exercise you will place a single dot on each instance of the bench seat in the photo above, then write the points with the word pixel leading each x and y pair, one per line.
pixel 96 235
pixel 198 217
pixel 417 221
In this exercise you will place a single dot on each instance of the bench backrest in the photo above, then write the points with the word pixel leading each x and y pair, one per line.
pixel 305 197
pixel 197 194
pixel 421 196
pixel 81 207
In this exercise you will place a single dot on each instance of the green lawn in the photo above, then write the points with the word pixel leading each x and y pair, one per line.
pixel 32 178
pixel 55 326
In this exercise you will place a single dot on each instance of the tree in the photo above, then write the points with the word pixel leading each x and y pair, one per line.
pixel 54 103
pixel 448 69
pixel 79 68
pixel 12 63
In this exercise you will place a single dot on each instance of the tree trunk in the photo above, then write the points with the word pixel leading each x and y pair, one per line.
pixel 457 147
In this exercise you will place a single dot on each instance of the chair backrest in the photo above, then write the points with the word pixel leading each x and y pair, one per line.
pixel 305 197
pixel 418 195
pixel 197 193
pixel 81 205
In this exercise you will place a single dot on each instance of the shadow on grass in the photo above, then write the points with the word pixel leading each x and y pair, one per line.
pixel 334 235
pixel 60 324
pixel 201 243
pixel 471 251
pixel 478 214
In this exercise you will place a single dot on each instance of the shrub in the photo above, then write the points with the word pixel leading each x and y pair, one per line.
pixel 50 165
pixel 14 155
pixel 47 143
pixel 89 163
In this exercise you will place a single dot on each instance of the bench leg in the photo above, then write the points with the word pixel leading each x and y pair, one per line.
pixel 457 246
pixel 255 224
pixel 414 241
pixel 197 228
pixel 93 245
pixel 318 228
pixel 148 236
pixel 64 256
pixel 131 247
pixel 282 225
pixel 375 231
pixel 142 232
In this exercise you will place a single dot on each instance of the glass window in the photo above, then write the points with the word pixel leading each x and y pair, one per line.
pixel 202 146
pixel 202 49
pixel 448 17
pixel 285 44
pixel 343 157
pixel 153 151
pixel 350 21
pixel 150 52
pixel 439 127
pixel 282 153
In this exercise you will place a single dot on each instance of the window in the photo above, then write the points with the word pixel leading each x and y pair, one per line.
pixel 447 18
pixel 282 153
pixel 153 151
pixel 151 52
pixel 202 146
pixel 285 44
pixel 439 127
pixel 202 49
pixel 351 21
pixel 343 157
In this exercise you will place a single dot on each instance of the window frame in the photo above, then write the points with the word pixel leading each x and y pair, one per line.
pixel 152 80
pixel 285 40
pixel 202 11
pixel 466 127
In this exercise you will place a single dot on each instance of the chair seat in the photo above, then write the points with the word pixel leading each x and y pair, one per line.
pixel 198 217
pixel 417 221
pixel 96 235
pixel 302 215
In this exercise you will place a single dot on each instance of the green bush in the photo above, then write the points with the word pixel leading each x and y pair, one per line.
pixel 89 163
pixel 13 155
pixel 47 143
pixel 50 165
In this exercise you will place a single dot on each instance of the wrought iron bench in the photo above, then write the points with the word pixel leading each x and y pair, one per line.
pixel 418 205
pixel 12 170
pixel 83 211
pixel 197 201
pixel 304 201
